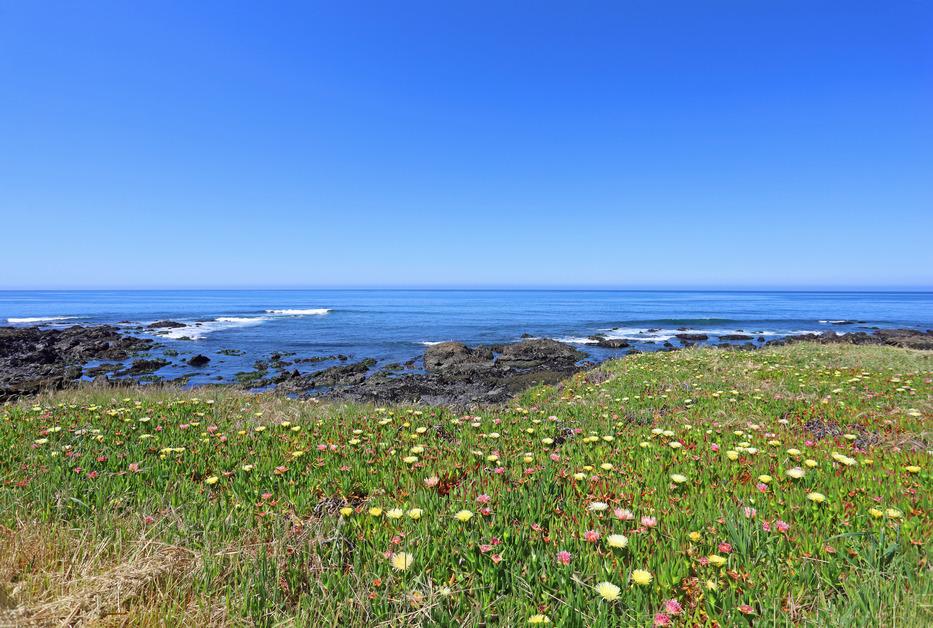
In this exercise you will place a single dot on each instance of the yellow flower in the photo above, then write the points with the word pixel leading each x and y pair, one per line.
pixel 402 561
pixel 716 560
pixel 678 478
pixel 346 511
pixel 642 577
pixel 793 452
pixel 795 473
pixel 912 469
pixel 415 513
pixel 539 619
pixel 893 513
pixel 395 513
pixel 694 536
pixel 463 515
pixel 764 479
pixel 616 540
pixel 375 511
pixel 608 591
pixel 874 512
pixel 818 498
pixel 810 462
pixel 732 455
pixel 410 459
pixel 211 480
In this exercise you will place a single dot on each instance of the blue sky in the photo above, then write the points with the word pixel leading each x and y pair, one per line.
pixel 620 144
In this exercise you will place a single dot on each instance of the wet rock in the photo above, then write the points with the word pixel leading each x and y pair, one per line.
pixel 143 367
pixel 165 325
pixel 692 337
pixel 735 337
pixel 198 361
pixel 610 343
pixel 33 360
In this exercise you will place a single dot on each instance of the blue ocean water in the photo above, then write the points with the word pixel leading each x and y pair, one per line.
pixel 396 325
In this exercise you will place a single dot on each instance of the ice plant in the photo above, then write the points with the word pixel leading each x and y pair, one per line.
pixel 402 561
pixel 617 540
pixel 642 577
pixel 608 591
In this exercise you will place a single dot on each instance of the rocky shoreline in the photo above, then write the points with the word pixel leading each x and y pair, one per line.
pixel 33 360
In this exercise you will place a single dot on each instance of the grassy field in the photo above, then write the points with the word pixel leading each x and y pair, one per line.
pixel 701 487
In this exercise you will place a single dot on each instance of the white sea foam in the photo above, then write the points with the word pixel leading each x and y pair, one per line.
pixel 431 343
pixel 197 330
pixel 39 319
pixel 577 340
pixel 312 312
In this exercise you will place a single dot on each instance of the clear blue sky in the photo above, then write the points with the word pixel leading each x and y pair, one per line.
pixel 619 144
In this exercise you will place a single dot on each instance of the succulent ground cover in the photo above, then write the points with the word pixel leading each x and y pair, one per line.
pixel 701 487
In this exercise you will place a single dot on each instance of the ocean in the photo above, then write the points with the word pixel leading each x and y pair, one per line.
pixel 235 328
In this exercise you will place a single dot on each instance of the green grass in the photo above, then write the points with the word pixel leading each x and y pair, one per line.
pixel 159 506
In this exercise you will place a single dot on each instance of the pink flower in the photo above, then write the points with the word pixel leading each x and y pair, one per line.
pixel 662 620
pixel 495 541
pixel 761 486
pixel 322 447
pixel 499 470
pixel 496 558
pixel 484 499
pixel 649 522
pixel 485 548
pixel 134 467
pixel 782 526
pixel 148 520
pixel 623 514
pixel 563 557
pixel 485 511
pixel 725 548
pixel 432 481
pixel 714 447
pixel 673 607
pixel 555 457
pixel 703 560
pixel 591 536
pixel 749 512
pixel 765 526
pixel 746 609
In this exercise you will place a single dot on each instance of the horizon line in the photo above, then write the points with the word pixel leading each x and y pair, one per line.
pixel 491 288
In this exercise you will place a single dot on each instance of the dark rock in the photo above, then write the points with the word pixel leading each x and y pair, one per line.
pixel 165 325
pixel 33 359
pixel 143 367
pixel 735 337
pixel 199 361
pixel 610 343
pixel 692 337
pixel 540 352
pixel 448 356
